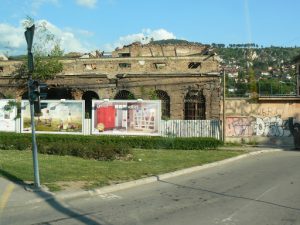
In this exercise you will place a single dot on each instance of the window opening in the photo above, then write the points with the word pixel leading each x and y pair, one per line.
pixel 159 65
pixel 124 65
pixel 194 106
pixel 165 103
pixel 126 54
pixel 194 65
pixel 90 66
pixel 124 94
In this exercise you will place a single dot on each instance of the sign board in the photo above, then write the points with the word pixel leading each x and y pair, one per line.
pixel 8 115
pixel 126 117
pixel 57 117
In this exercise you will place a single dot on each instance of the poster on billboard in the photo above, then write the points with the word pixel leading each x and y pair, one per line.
pixel 131 117
pixel 8 114
pixel 58 116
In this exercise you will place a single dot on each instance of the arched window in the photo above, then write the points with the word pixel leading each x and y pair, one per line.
pixel 88 96
pixel 194 105
pixel 165 103
pixel 124 94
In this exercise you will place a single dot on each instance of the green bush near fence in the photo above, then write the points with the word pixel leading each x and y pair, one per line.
pixel 102 147
pixel 90 151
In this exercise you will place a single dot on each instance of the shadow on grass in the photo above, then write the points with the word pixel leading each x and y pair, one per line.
pixel 55 204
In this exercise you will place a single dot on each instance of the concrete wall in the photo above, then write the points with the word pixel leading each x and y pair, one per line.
pixel 264 122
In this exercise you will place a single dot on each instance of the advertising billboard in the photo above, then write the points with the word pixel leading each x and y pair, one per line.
pixel 8 114
pixel 57 117
pixel 131 117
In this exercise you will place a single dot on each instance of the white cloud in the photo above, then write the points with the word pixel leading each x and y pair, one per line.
pixel 144 37
pixel 36 4
pixel 80 32
pixel 68 40
pixel 87 3
pixel 12 39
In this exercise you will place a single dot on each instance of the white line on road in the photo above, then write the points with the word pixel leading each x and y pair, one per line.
pixel 229 218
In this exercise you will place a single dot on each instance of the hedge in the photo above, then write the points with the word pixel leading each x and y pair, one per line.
pixel 90 151
pixel 64 144
pixel 53 145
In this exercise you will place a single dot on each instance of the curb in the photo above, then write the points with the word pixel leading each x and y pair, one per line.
pixel 152 179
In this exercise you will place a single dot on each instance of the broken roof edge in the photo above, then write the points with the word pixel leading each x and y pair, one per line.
pixel 165 42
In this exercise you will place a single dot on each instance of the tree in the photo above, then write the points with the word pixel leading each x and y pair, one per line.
pixel 252 81
pixel 46 51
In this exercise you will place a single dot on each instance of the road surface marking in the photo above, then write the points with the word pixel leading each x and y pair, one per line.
pixel 229 219
pixel 5 196
pixel 109 196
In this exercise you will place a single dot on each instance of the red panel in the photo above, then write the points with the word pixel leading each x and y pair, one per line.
pixel 106 116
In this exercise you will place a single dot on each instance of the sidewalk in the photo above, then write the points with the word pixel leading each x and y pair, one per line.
pixel 250 148
pixel 16 194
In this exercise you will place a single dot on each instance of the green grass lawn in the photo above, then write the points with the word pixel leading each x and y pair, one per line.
pixel 56 169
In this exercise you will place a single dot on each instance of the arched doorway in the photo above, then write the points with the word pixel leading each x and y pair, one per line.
pixel 165 103
pixel 59 93
pixel 88 96
pixel 194 105
pixel 123 95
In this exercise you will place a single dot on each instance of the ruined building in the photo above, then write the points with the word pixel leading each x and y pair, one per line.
pixel 184 76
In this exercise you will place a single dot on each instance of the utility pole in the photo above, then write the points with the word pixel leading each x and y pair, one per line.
pixel 298 78
pixel 224 110
pixel 32 97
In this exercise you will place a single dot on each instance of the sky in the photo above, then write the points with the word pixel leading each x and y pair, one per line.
pixel 88 25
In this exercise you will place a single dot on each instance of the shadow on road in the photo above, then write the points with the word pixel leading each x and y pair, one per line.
pixel 228 195
pixel 49 199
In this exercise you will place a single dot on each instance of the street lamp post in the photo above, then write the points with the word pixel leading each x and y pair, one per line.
pixel 29 39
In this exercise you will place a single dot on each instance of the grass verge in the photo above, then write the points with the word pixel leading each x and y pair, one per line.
pixel 57 171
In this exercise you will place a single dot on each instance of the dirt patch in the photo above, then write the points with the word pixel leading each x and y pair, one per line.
pixel 72 185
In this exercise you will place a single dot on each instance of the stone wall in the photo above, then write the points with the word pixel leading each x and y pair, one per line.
pixel 265 122
pixel 157 50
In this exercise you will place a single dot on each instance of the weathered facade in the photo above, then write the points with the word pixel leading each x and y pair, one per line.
pixel 185 77
pixel 265 121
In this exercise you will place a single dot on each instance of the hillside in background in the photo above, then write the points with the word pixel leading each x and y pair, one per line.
pixel 261 57
pixel 270 71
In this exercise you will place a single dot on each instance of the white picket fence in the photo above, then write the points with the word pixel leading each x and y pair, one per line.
pixel 191 128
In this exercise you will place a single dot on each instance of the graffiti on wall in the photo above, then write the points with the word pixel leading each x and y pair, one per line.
pixel 269 126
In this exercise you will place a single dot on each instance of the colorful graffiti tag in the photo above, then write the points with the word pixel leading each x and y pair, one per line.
pixel 239 126
pixel 273 126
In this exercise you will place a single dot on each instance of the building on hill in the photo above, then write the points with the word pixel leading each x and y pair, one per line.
pixel 184 76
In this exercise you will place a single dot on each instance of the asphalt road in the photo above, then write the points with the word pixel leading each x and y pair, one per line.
pixel 262 189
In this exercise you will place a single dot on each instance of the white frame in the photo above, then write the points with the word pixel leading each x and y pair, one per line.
pixel 60 102
pixel 157 118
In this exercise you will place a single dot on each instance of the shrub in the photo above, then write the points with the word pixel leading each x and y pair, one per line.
pixel 102 147
pixel 86 151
